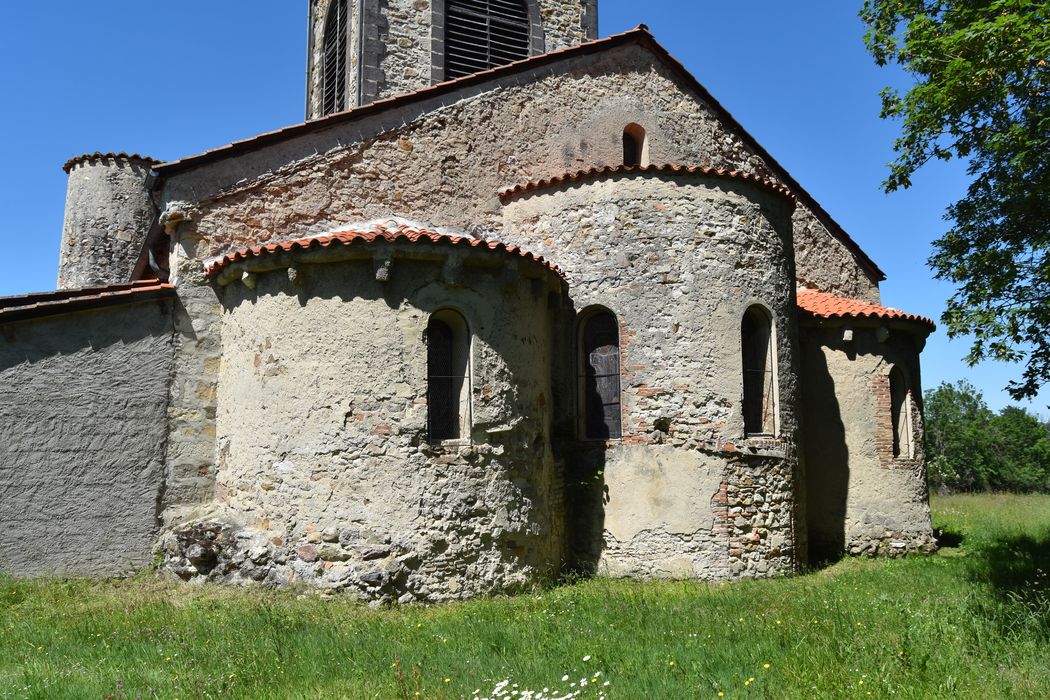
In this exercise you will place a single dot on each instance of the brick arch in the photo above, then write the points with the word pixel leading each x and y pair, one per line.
pixel 537 40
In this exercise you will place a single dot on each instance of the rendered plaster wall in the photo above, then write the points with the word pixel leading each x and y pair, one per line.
pixel 326 473
pixel 862 500
pixel 403 43
pixel 108 214
pixel 678 260
pixel 443 160
pixel 82 402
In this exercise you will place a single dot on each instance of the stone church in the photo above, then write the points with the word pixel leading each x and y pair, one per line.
pixel 513 300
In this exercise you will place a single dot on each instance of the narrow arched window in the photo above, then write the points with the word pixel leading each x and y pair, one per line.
pixel 759 363
pixel 900 414
pixel 448 377
pixel 482 34
pixel 333 88
pixel 600 376
pixel 635 146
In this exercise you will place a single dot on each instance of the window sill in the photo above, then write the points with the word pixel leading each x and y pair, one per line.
pixel 451 444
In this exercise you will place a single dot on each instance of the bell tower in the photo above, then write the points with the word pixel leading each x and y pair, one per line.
pixel 366 50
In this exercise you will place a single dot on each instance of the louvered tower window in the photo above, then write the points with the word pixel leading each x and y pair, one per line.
pixel 333 90
pixel 482 34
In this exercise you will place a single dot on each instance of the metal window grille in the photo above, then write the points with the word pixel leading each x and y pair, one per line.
pixel 333 89
pixel 756 336
pixel 601 378
pixel 482 34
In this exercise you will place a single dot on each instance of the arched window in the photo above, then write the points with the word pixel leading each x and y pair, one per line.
pixel 635 146
pixel 448 377
pixel 482 34
pixel 333 89
pixel 900 414
pixel 600 376
pixel 759 356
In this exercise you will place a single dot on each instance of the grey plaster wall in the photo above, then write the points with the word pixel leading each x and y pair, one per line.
pixel 862 500
pixel 444 160
pixel 82 405
pixel 108 214
pixel 678 259
pixel 325 470
pixel 399 45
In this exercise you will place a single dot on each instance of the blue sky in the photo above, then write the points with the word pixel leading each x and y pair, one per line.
pixel 172 79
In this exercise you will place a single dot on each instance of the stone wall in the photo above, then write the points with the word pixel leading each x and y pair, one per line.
pixel 82 404
pixel 325 470
pixel 108 214
pixel 678 259
pixel 861 500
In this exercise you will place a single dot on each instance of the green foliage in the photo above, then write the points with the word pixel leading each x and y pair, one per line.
pixel 970 448
pixel 973 622
pixel 982 93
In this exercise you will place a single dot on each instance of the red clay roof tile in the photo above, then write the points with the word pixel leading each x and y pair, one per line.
pixel 363 234
pixel 824 305
pixel 62 301
pixel 663 169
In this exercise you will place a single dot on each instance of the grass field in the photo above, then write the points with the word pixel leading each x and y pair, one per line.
pixel 971 622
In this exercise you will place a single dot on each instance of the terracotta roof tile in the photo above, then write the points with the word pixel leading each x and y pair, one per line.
pixel 391 231
pixel 62 301
pixel 86 157
pixel 824 305
pixel 663 169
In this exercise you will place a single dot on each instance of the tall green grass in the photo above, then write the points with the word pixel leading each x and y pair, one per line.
pixel 971 622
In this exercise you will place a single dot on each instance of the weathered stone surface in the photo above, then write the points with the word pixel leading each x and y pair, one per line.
pixel 82 404
pixel 108 214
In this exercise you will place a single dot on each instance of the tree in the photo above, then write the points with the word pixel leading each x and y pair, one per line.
pixel 970 448
pixel 982 93
pixel 958 427
pixel 1023 446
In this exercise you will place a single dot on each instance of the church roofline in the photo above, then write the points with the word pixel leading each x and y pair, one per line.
pixel 639 35
pixel 656 169
pixel 28 306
